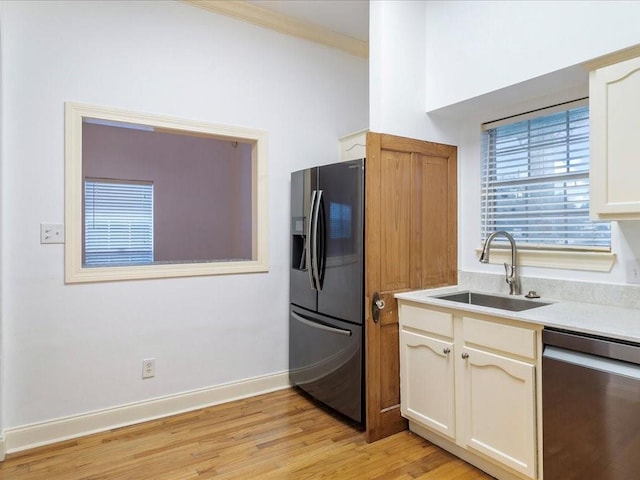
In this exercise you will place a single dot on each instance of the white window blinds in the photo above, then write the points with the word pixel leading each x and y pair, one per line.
pixel 535 181
pixel 118 223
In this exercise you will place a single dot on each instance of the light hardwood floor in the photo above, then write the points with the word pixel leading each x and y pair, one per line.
pixel 280 435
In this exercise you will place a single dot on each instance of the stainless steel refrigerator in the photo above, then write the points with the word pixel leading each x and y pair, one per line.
pixel 326 331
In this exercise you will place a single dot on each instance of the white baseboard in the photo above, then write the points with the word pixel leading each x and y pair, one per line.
pixel 2 449
pixel 44 433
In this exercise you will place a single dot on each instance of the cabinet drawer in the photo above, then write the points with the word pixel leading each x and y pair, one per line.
pixel 507 338
pixel 431 321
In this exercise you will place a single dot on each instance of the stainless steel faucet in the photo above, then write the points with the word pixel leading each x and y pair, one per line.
pixel 510 270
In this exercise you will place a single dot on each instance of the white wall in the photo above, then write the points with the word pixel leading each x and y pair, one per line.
pixel 473 48
pixel 69 349
pixel 397 74
pixel 2 230
pixel 469 82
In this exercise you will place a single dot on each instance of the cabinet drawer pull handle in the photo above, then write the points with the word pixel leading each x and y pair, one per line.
pixel 446 350
pixel 465 355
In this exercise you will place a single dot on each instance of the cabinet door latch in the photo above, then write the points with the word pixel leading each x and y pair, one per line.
pixel 376 305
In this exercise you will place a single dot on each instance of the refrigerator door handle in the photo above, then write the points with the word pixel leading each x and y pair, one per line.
pixel 314 240
pixel 311 244
pixel 320 241
pixel 321 326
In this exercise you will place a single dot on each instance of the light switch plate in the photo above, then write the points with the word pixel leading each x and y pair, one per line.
pixel 51 233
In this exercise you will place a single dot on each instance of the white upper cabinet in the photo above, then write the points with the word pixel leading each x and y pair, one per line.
pixel 614 104
pixel 354 146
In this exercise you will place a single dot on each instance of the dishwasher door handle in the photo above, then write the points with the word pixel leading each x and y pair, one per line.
pixel 593 362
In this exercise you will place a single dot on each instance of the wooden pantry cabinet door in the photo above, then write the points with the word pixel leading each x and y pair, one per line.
pixel 410 244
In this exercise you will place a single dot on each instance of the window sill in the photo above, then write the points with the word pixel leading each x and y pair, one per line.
pixel 563 259
pixel 144 272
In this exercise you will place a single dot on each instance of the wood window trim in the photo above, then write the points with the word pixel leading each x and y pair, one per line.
pixel 75 272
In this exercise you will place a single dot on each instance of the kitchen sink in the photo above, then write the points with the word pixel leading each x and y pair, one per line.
pixel 493 301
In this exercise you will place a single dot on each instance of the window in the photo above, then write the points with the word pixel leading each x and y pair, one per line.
pixel 535 180
pixel 118 223
pixel 205 210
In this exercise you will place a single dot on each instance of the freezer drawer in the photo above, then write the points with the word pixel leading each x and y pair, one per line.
pixel 325 360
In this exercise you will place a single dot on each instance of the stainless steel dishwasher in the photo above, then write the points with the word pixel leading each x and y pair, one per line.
pixel 590 407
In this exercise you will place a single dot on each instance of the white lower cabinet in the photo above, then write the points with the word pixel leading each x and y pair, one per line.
pixel 472 381
pixel 428 362
pixel 498 401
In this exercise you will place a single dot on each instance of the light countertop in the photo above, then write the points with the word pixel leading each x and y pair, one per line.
pixel 607 321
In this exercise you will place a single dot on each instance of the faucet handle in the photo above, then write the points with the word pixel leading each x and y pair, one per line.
pixel 510 271
pixel 512 279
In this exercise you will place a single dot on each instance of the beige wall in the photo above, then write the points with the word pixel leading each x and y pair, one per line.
pixel 202 188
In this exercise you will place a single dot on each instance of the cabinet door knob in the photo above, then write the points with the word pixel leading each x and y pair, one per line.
pixel 446 350
pixel 465 355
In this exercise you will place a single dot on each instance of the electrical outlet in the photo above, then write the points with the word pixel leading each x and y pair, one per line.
pixel 633 271
pixel 51 233
pixel 148 368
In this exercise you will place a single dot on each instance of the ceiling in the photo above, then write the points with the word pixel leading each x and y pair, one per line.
pixel 347 17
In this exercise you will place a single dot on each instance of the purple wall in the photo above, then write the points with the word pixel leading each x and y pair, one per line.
pixel 202 188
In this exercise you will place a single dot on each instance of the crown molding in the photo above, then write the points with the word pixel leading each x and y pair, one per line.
pixel 251 13
pixel 615 57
